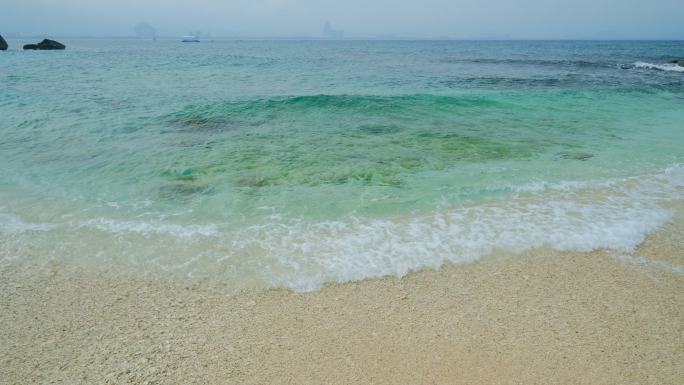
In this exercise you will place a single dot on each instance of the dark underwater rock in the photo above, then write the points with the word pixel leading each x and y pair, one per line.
pixel 3 44
pixel 183 190
pixel 582 156
pixel 46 44
pixel 254 181
pixel 676 61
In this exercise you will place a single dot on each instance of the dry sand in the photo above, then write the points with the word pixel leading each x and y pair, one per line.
pixel 540 318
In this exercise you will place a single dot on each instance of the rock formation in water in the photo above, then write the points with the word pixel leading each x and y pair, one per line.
pixel 679 62
pixel 46 44
pixel 3 44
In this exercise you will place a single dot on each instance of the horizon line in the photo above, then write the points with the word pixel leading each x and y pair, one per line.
pixel 351 38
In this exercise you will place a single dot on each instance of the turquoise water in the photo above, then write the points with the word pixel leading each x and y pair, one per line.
pixel 295 163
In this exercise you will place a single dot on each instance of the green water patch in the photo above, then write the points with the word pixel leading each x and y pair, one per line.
pixel 334 154
pixel 257 112
pixel 314 158
pixel 361 140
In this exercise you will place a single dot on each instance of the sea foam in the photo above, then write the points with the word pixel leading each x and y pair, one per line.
pixel 11 224
pixel 616 216
pixel 660 67
pixel 305 254
pixel 147 228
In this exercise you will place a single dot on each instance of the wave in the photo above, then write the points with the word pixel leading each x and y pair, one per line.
pixel 304 255
pixel 659 67
pixel 614 216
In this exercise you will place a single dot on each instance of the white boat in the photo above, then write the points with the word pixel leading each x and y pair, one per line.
pixel 190 39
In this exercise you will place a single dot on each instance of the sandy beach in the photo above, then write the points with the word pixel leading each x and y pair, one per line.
pixel 544 317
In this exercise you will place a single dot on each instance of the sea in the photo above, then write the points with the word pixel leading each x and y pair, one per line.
pixel 297 163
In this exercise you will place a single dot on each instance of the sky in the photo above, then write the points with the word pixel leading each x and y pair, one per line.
pixel 464 19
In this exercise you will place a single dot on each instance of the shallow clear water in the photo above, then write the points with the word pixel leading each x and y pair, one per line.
pixel 294 163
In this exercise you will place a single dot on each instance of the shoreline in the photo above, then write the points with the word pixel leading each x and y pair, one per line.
pixel 540 317
pixel 305 255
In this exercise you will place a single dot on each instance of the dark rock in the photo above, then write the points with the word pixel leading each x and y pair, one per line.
pixel 181 189
pixel 45 44
pixel 583 156
pixel 254 181
pixel 676 61
pixel 3 44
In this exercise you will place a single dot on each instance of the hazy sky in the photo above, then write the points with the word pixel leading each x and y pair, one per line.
pixel 359 18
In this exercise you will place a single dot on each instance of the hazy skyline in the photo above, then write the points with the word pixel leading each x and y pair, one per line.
pixel 526 19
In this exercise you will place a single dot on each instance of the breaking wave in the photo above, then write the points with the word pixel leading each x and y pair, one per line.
pixel 659 67
pixel 306 254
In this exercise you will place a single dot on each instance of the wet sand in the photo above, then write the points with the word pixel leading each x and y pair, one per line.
pixel 544 317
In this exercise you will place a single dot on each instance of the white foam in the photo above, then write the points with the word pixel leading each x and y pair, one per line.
pixel 660 67
pixel 541 186
pixel 361 249
pixel 147 228
pixel 11 224
pixel 305 255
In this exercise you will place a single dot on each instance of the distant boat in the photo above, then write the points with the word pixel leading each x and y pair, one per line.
pixel 190 39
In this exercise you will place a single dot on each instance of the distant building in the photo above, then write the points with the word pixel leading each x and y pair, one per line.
pixel 330 33
pixel 145 31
